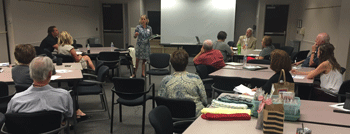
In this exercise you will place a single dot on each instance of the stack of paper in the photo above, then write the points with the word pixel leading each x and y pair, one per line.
pixel 243 89
pixel 5 64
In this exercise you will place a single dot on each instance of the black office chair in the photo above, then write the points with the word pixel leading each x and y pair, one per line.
pixel 225 84
pixel 95 87
pixel 38 50
pixel 48 53
pixel 110 59
pixel 299 56
pixel 181 110
pixel 277 45
pixel 125 59
pixel 21 87
pixel 288 49
pixel 265 62
pixel 342 70
pixel 160 119
pixel 256 82
pixel 76 46
pixel 158 61
pixel 5 97
pixel 66 58
pixel 344 88
pixel 202 71
pixel 94 45
pixel 131 92
pixel 231 44
pixel 45 122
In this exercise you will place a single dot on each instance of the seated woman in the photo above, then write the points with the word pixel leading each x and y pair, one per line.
pixel 329 71
pixel 279 60
pixel 65 47
pixel 24 54
pixel 181 84
pixel 267 47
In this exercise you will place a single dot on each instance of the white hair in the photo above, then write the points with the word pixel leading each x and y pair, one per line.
pixel 208 45
pixel 250 29
pixel 40 67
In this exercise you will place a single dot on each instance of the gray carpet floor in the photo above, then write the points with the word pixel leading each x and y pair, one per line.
pixel 132 116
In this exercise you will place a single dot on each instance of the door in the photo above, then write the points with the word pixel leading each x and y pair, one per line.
pixel 276 18
pixel 113 25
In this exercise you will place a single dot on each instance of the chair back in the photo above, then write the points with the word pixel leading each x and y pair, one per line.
pixel 342 70
pixel 21 87
pixel 256 82
pixel 160 119
pixel 66 58
pixel 102 73
pixel 301 55
pixel 266 62
pixel 109 56
pixel 179 108
pixel 4 101
pixel 231 44
pixel 97 66
pixel 227 83
pixel 37 50
pixel 4 89
pixel 32 123
pixel 76 46
pixel 159 60
pixel 202 71
pixel 277 45
pixel 288 49
pixel 129 88
pixel 345 87
pixel 48 53
pixel 95 45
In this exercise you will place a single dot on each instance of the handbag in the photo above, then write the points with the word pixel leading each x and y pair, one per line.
pixel 283 86
pixel 273 119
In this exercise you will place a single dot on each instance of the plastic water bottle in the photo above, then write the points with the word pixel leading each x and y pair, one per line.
pixel 245 60
pixel 88 48
pixel 239 49
pixel 112 46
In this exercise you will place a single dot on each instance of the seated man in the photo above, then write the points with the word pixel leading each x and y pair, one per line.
pixel 51 40
pixel 208 56
pixel 267 47
pixel 225 49
pixel 182 84
pixel 41 96
pixel 312 60
pixel 247 40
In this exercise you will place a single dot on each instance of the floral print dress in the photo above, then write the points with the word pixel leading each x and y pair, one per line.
pixel 142 49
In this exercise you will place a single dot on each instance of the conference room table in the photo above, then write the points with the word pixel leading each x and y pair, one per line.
pixel 97 50
pixel 73 73
pixel 317 116
pixel 238 71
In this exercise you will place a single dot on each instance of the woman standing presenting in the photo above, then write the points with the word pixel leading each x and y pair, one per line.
pixel 142 32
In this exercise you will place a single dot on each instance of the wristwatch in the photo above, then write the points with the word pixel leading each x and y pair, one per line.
pixel 314 52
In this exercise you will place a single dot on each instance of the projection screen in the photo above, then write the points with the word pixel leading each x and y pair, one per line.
pixel 182 20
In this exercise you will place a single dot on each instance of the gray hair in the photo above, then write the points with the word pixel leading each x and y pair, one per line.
pixel 208 45
pixel 250 29
pixel 325 37
pixel 40 67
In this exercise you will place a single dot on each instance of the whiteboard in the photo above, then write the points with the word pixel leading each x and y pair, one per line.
pixel 182 20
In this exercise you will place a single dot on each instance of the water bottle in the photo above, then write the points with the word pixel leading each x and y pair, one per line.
pixel 112 46
pixel 245 60
pixel 88 48
pixel 239 49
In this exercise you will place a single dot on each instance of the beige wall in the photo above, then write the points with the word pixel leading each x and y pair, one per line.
pixel 294 8
pixel 28 21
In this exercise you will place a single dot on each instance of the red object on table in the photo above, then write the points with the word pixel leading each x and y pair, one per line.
pixel 226 117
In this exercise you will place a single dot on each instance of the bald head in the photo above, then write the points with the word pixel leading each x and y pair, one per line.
pixel 208 45
pixel 322 38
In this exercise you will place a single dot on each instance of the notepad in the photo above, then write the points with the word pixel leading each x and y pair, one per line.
pixel 234 63
pixel 55 77
pixel 4 64
pixel 243 89
pixel 298 76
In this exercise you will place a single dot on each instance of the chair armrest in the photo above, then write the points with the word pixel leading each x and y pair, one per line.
pixel 87 74
pixel 207 80
pixel 326 91
pixel 2 118
pixel 183 119
pixel 93 81
pixel 151 87
pixel 183 123
pixel 58 129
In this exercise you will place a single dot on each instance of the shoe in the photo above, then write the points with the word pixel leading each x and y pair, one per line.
pixel 83 118
pixel 143 76
pixel 133 76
